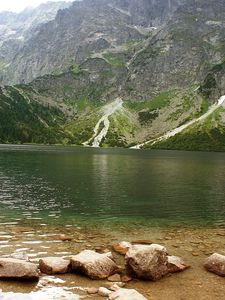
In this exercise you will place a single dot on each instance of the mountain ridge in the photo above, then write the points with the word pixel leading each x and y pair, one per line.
pixel 164 59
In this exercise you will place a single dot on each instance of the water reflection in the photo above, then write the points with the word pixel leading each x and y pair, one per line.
pixel 155 186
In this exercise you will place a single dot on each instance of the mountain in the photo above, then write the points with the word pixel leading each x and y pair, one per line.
pixel 120 73
pixel 86 28
pixel 17 28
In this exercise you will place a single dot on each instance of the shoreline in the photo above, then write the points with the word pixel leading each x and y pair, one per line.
pixel 134 150
pixel 193 245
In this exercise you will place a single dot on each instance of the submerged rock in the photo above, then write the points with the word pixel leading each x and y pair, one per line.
pixel 18 269
pixel 142 242
pixel 64 237
pixel 54 265
pixel 93 264
pixel 92 290
pixel 147 261
pixel 20 255
pixel 126 278
pixel 114 278
pixel 125 294
pixel 216 264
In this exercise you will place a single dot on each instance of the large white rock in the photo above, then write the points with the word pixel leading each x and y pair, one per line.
pixel 93 264
pixel 18 269
pixel 147 261
pixel 216 264
pixel 54 265
pixel 126 294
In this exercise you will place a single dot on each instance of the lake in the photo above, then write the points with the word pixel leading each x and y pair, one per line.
pixel 87 185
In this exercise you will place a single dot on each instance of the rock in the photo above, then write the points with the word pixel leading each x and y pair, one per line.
pixel 116 286
pixel 194 253
pixel 93 264
pixel 142 242
pixel 109 255
pixel 102 291
pixel 23 229
pixel 125 294
pixel 176 264
pixel 20 255
pixel 126 278
pixel 64 237
pixel 122 247
pixel 114 278
pixel 216 264
pixel 147 262
pixel 106 251
pixel 54 265
pixel 18 269
pixel 92 290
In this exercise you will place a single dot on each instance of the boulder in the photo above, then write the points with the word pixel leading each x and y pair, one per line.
pixel 122 247
pixel 93 264
pixel 216 264
pixel 176 264
pixel 147 261
pixel 54 265
pixel 18 269
pixel 125 294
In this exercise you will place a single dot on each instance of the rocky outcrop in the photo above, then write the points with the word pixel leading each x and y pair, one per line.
pixel 18 269
pixel 54 265
pixel 17 28
pixel 215 264
pixel 93 264
pixel 86 28
pixel 125 294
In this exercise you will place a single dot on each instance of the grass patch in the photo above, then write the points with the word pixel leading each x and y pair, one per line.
pixel 204 107
pixel 114 60
pixel 158 102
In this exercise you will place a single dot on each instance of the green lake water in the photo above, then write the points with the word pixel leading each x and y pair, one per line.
pixel 63 185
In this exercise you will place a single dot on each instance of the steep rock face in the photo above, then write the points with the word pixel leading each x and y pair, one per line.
pixel 176 37
pixel 19 25
pixel 148 12
pixel 17 28
pixel 182 52
pixel 83 29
